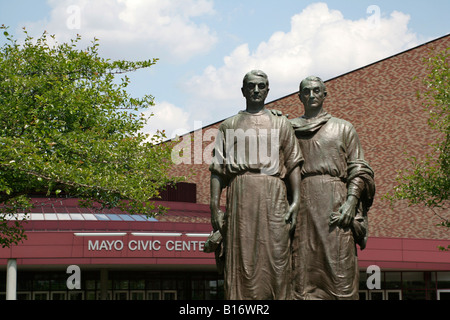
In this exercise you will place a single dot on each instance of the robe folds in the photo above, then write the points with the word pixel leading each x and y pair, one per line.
pixel 256 243
pixel 325 264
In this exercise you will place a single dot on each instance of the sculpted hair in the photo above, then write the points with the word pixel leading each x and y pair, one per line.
pixel 257 73
pixel 313 78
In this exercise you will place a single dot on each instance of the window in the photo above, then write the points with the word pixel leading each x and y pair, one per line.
pixel 154 295
pixel 76 216
pixel 137 284
pixel 363 294
pixel 393 295
pixel 76 295
pixel 443 280
pixel 392 280
pixel 101 216
pixel 126 217
pixel 89 216
pixel 137 295
pixel 114 217
pixel 122 285
pixel 23 296
pixel 443 294
pixel 63 216
pixel 169 295
pixel 376 294
pixel 120 295
pixel 138 217
pixel 405 285
pixel 59 295
pixel 108 295
pixel 40 295
pixel 413 280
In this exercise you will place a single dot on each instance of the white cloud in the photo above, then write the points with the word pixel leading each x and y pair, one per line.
pixel 320 42
pixel 134 27
pixel 168 117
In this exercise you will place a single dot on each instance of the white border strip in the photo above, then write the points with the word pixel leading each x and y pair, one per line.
pixel 139 234
pixel 198 234
pixel 100 234
pixel 157 234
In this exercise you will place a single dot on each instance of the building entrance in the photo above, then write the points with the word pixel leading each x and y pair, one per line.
pixel 121 285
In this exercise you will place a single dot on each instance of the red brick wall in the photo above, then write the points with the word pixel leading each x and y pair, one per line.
pixel 380 101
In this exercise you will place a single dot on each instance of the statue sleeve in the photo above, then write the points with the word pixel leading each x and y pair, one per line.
pixel 356 165
pixel 218 160
pixel 292 153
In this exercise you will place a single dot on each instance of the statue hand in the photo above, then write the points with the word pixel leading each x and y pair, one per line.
pixel 347 211
pixel 276 112
pixel 291 216
pixel 217 219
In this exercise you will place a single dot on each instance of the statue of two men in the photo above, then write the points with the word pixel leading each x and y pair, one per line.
pixel 293 218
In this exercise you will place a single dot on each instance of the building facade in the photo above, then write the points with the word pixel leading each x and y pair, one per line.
pixel 75 253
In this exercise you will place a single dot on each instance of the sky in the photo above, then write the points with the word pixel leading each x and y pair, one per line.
pixel 205 47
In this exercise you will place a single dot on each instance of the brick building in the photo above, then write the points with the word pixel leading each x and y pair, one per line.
pixel 130 257
pixel 380 100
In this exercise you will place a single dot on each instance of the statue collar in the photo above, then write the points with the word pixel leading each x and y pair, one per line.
pixel 305 125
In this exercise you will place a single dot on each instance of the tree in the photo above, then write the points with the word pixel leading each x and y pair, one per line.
pixel 69 127
pixel 427 181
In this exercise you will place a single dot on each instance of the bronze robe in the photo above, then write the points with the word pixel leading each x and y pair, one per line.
pixel 324 255
pixel 256 244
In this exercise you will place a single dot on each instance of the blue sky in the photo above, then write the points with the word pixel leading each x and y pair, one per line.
pixel 206 46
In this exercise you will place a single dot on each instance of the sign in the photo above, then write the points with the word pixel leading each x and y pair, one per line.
pixel 135 245
pixel 146 245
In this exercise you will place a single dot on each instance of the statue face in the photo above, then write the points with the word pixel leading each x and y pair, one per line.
pixel 255 89
pixel 312 94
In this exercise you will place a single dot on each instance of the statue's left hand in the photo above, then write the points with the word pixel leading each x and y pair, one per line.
pixel 291 216
pixel 278 113
pixel 217 219
pixel 347 211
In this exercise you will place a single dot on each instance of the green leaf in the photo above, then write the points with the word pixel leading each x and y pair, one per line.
pixel 68 126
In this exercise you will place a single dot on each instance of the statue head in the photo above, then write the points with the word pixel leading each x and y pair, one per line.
pixel 255 87
pixel 312 93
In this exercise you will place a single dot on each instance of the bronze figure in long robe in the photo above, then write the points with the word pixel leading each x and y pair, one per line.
pixel 337 189
pixel 256 238
pixel 324 254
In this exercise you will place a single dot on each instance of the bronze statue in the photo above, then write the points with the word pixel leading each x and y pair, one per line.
pixel 255 250
pixel 337 189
